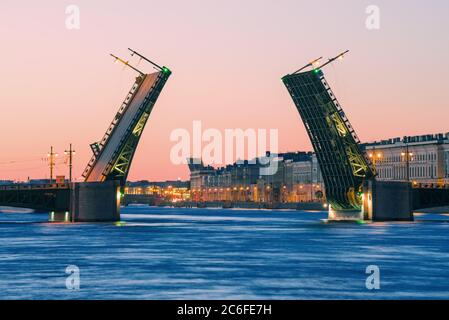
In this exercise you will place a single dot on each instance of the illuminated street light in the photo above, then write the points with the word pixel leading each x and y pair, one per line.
pixel 408 156
pixel 51 158
pixel 70 153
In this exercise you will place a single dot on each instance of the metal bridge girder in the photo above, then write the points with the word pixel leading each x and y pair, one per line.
pixel 343 164
pixel 117 148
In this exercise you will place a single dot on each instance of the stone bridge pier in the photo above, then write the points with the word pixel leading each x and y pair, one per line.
pixel 387 201
pixel 91 202
pixel 95 201
pixel 381 201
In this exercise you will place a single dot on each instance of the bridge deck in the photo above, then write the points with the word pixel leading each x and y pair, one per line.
pixel 47 197
pixel 114 153
pixel 343 164
pixel 430 197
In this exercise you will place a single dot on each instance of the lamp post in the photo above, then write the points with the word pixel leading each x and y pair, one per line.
pixel 375 157
pixel 51 156
pixel 311 180
pixel 268 193
pixel 70 153
pixel 407 156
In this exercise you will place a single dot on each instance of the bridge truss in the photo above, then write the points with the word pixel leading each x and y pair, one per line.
pixel 343 164
pixel 112 156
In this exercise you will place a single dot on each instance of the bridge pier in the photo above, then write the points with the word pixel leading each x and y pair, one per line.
pixel 387 201
pixel 381 201
pixel 95 201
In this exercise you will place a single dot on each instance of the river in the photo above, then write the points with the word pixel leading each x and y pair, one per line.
pixel 172 253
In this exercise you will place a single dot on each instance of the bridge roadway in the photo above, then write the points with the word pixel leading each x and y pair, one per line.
pixel 56 197
pixel 430 197
pixel 45 197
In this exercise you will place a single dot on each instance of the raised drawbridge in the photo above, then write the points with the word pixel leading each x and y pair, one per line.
pixel 113 154
pixel 343 164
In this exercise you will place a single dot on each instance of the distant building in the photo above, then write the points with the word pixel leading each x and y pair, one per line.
pixel 420 159
pixel 36 182
pixel 60 180
pixel 297 179
pixel 176 190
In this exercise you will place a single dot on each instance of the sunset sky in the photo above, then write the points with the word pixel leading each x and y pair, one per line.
pixel 60 86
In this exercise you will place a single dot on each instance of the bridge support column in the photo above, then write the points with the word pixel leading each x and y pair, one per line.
pixel 95 201
pixel 387 201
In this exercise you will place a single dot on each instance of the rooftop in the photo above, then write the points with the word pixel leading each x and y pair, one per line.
pixel 412 140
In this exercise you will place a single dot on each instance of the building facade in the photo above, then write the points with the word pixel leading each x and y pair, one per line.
pixel 297 179
pixel 172 191
pixel 419 159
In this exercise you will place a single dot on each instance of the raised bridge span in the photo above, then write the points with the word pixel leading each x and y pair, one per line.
pixel 114 153
pixel 343 165
pixel 352 190
pixel 98 198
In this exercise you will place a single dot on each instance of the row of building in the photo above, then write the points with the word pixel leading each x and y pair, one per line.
pixel 169 191
pixel 423 160
pixel 420 159
pixel 297 178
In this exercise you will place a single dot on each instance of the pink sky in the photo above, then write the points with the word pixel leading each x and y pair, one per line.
pixel 59 86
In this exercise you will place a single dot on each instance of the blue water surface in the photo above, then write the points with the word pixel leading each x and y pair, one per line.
pixel 170 253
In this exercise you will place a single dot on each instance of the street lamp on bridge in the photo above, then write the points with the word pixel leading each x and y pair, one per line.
pixel 375 157
pixel 70 154
pixel 407 156
pixel 51 162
